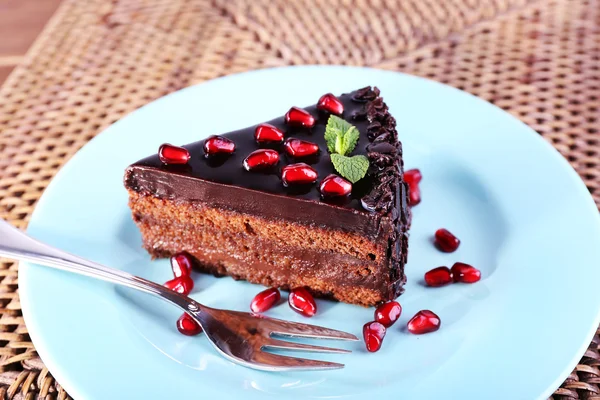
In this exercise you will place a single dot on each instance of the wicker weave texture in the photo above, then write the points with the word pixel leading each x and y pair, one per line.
pixel 98 60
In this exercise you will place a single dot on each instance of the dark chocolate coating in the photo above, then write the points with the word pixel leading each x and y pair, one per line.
pixel 228 169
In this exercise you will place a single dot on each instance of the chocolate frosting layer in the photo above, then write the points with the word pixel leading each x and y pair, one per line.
pixel 376 208
pixel 178 187
pixel 229 169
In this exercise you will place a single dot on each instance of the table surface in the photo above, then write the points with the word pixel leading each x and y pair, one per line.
pixel 21 21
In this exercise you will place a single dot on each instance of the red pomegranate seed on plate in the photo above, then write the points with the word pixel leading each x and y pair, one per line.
pixel 218 145
pixel 181 264
pixel 265 133
pixel 412 176
pixel 388 313
pixel 446 241
pixel 188 325
pixel 265 300
pixel 373 333
pixel 182 285
pixel 298 117
pixel 414 195
pixel 298 174
pixel 170 154
pixel 300 148
pixel 301 301
pixel 424 321
pixel 465 273
pixel 261 159
pixel 335 186
pixel 439 276
pixel 328 102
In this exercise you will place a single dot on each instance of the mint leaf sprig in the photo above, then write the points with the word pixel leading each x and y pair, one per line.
pixel 341 138
pixel 340 135
pixel 351 168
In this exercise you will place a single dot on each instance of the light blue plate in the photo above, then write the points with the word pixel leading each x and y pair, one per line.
pixel 523 215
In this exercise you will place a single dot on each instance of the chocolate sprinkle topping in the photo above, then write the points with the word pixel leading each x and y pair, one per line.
pixel 389 192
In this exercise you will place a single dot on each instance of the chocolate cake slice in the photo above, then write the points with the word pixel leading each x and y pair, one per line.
pixel 267 203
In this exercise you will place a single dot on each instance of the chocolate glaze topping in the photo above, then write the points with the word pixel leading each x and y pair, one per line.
pixel 376 207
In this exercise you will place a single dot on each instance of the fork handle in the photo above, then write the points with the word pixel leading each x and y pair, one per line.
pixel 15 244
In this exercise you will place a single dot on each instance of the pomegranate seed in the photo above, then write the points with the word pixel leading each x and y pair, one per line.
pixel 373 333
pixel 388 313
pixel 299 117
pixel 329 102
pixel 218 145
pixel 465 273
pixel 446 241
pixel 188 325
pixel 333 186
pixel 412 176
pixel 414 195
pixel 182 285
pixel 300 148
pixel 265 133
pixel 265 300
pixel 181 264
pixel 298 174
pixel 424 321
pixel 261 159
pixel 302 302
pixel 170 154
pixel 439 276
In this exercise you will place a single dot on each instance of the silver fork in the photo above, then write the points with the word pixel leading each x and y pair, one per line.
pixel 239 336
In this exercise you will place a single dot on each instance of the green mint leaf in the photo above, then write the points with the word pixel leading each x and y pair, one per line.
pixel 339 144
pixel 350 140
pixel 351 168
pixel 341 138
pixel 334 134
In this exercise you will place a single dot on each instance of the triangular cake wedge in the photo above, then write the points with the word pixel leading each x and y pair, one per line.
pixel 249 225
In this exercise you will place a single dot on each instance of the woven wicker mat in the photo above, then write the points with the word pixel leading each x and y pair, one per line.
pixel 98 60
